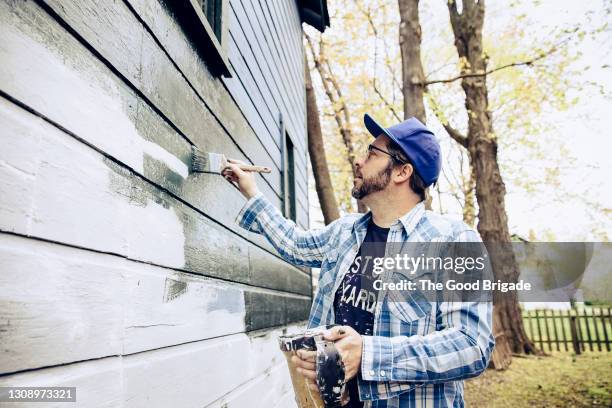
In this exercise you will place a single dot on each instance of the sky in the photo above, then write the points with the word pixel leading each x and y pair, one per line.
pixel 565 212
pixel 586 132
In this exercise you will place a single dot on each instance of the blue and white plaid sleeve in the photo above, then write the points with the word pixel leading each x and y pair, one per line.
pixel 462 350
pixel 296 246
pixel 460 347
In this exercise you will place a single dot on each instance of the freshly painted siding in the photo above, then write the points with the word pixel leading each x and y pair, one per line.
pixel 120 271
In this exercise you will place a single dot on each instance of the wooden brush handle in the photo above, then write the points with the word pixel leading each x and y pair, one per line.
pixel 258 169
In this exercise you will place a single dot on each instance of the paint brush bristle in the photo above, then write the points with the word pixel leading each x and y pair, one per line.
pixel 207 162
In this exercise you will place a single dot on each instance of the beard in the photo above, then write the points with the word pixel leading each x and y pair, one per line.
pixel 373 184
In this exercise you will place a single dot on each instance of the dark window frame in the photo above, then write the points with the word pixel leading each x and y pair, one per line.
pixel 214 16
pixel 209 39
pixel 289 197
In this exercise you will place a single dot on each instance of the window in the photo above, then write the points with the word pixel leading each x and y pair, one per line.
pixel 205 23
pixel 212 10
pixel 289 200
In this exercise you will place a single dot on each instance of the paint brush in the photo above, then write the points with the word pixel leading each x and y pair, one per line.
pixel 208 162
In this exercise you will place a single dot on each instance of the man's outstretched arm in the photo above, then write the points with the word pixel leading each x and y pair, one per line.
pixel 296 246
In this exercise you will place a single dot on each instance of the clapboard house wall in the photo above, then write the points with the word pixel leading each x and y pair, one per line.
pixel 121 271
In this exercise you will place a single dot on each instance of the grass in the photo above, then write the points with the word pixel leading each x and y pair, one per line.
pixel 560 380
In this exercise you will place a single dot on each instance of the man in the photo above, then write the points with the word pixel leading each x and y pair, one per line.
pixel 396 353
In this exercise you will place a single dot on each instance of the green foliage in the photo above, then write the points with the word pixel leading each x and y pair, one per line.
pixel 526 101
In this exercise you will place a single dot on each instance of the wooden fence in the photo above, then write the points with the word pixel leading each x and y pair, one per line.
pixel 575 329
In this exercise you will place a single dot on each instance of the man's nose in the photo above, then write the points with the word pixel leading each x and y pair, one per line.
pixel 359 163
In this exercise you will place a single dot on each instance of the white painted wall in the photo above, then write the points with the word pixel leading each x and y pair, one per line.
pixel 112 280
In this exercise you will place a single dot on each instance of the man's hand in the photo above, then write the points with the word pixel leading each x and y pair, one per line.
pixel 305 363
pixel 245 180
pixel 350 346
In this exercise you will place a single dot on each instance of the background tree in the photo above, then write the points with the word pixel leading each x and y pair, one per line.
pixel 533 100
pixel 481 143
pixel 533 104
pixel 341 111
pixel 413 76
pixel 414 87
pixel 316 150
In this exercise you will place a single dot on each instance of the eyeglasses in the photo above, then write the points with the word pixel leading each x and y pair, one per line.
pixel 396 158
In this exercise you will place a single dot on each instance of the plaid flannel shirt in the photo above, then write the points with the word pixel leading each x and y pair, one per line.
pixel 418 354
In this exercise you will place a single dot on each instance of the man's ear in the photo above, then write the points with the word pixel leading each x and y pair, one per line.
pixel 403 173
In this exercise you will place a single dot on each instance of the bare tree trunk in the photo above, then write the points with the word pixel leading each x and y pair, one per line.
pixel 413 75
pixel 481 144
pixel 341 110
pixel 316 149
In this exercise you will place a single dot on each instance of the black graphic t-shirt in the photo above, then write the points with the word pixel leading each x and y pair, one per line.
pixel 355 299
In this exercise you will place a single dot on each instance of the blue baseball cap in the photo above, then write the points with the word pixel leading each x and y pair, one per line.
pixel 416 141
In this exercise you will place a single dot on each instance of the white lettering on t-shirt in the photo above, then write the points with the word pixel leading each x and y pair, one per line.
pixel 364 299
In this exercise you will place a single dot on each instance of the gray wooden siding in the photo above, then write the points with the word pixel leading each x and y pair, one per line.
pixel 114 259
pixel 268 78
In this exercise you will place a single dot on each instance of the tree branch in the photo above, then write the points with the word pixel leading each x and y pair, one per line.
pixel 452 132
pixel 481 74
pixel 385 101
pixel 489 72
pixel 455 134
pixel 367 14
